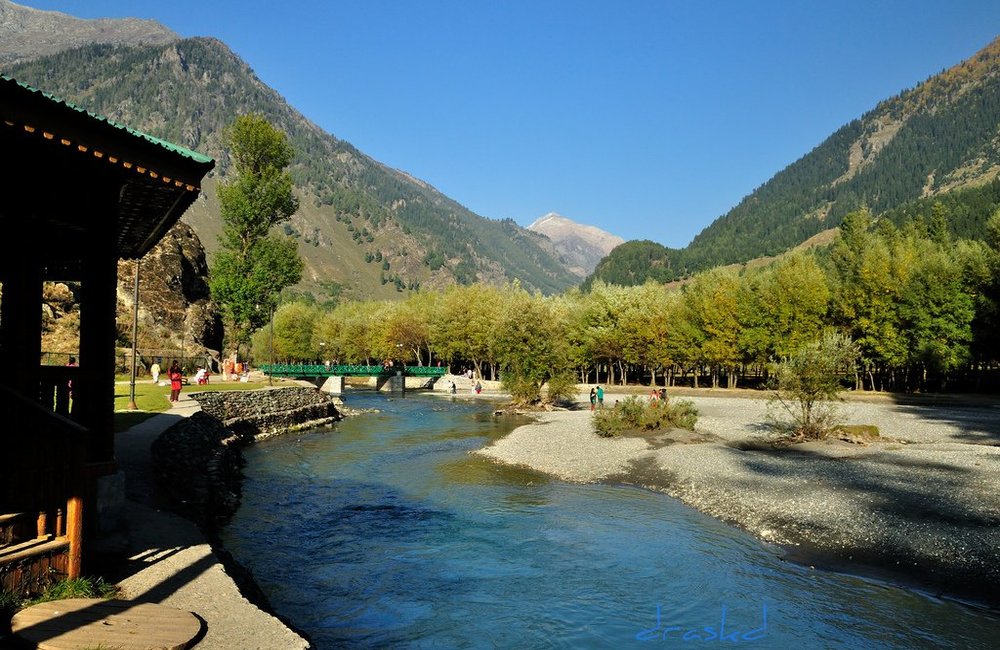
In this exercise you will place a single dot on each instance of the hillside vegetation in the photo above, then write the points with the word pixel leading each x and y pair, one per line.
pixel 916 147
pixel 365 227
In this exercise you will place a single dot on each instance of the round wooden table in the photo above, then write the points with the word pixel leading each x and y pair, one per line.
pixel 90 623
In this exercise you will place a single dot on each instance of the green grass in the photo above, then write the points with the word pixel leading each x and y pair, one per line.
pixel 87 587
pixel 152 399
pixel 76 588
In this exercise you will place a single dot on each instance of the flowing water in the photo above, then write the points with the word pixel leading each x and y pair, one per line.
pixel 385 532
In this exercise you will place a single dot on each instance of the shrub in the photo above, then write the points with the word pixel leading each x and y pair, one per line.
pixel 523 391
pixel 809 381
pixel 635 414
pixel 608 423
pixel 561 388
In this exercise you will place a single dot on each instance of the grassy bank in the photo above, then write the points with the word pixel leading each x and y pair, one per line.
pixel 151 398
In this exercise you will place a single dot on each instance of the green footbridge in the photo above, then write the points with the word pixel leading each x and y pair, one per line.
pixel 316 370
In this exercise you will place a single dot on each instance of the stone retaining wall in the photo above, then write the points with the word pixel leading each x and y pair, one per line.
pixel 262 413
pixel 197 462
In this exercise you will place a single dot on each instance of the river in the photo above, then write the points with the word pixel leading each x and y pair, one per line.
pixel 385 532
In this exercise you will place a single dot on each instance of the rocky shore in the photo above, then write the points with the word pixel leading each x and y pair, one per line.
pixel 920 505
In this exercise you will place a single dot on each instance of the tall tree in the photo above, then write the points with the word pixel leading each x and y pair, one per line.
pixel 252 267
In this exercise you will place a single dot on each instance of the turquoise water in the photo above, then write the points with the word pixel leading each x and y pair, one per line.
pixel 386 532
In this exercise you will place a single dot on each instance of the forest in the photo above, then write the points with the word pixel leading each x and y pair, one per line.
pixel 921 306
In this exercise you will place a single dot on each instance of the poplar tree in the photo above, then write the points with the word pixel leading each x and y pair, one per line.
pixel 253 266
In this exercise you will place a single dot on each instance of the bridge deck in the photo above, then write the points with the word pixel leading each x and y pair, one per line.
pixel 323 370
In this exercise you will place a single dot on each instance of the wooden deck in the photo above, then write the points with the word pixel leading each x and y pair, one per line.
pixel 93 623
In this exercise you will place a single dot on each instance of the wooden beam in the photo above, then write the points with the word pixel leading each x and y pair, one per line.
pixel 74 534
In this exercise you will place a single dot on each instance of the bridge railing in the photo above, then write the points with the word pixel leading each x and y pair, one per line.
pixel 323 370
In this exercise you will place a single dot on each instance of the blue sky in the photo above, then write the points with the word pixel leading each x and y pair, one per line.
pixel 649 119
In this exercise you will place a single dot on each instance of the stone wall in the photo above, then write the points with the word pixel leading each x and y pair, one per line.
pixel 263 413
pixel 197 462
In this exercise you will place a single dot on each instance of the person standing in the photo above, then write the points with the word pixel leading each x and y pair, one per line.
pixel 600 397
pixel 176 378
pixel 155 371
pixel 593 398
pixel 71 364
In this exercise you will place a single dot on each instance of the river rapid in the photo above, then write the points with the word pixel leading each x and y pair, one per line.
pixel 383 531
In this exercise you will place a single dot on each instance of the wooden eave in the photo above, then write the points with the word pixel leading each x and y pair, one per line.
pixel 73 155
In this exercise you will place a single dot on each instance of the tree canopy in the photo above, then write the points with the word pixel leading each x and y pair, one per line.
pixel 252 267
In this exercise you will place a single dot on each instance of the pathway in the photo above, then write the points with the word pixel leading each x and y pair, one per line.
pixel 170 561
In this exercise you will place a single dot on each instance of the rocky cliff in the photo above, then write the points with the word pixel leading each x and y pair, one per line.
pixel 174 298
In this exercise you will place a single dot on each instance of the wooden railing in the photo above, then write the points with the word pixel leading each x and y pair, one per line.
pixel 55 387
pixel 41 468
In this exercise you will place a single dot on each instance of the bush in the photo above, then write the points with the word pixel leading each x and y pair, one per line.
pixel 561 388
pixel 635 414
pixel 808 383
pixel 523 391
pixel 608 423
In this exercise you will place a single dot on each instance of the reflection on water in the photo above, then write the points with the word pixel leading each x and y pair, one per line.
pixel 386 532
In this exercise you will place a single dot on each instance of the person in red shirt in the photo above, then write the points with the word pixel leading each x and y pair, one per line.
pixel 176 378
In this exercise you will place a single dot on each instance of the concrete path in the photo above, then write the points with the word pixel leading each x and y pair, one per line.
pixel 171 563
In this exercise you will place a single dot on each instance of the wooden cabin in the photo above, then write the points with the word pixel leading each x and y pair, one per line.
pixel 79 192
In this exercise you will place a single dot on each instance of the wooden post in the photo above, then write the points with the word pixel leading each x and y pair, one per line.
pixel 74 533
pixel 94 402
pixel 41 525
pixel 60 529
pixel 20 336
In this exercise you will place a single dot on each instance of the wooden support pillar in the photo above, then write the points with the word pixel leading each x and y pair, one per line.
pixel 21 330
pixel 94 400
pixel 74 533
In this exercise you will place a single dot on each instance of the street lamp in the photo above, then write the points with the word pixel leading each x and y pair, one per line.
pixel 135 337
pixel 270 350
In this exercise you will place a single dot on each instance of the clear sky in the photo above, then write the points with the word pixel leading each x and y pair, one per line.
pixel 647 118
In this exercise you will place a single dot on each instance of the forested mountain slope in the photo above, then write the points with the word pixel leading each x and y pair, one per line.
pixel 364 228
pixel 942 135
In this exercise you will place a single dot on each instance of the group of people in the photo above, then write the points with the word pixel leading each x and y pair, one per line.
pixel 657 396
pixel 596 398
pixel 477 388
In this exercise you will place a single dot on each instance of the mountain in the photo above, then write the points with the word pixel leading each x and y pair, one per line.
pixel 580 246
pixel 27 33
pixel 920 145
pixel 363 229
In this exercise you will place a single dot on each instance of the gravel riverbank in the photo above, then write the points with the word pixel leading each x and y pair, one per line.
pixel 921 505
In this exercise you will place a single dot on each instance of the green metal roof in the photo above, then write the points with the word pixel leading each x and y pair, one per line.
pixel 169 146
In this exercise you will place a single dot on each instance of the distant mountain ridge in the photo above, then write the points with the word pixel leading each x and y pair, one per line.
pixel 27 33
pixel 940 136
pixel 363 228
pixel 581 246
